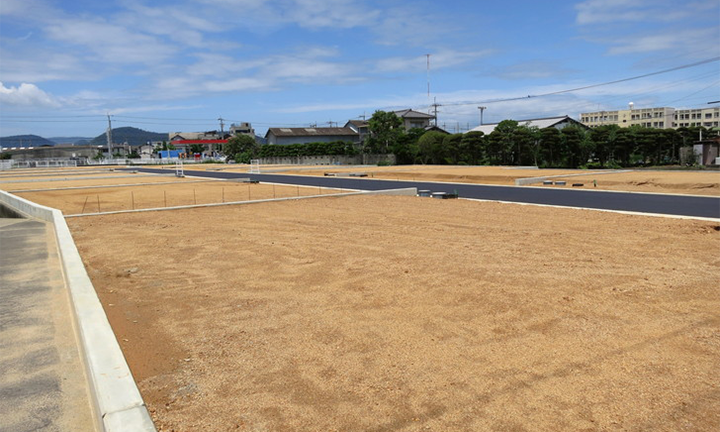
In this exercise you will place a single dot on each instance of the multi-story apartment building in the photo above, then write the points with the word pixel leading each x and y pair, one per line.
pixel 707 117
pixel 660 118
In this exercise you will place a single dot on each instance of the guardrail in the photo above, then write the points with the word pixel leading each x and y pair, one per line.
pixel 117 403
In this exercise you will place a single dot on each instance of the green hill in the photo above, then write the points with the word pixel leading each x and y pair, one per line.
pixel 131 135
pixel 25 141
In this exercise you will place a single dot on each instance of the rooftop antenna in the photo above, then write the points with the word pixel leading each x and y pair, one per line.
pixel 428 76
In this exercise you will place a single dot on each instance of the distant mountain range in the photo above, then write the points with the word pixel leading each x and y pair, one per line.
pixel 131 135
pixel 25 141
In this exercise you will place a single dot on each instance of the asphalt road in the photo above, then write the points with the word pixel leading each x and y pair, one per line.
pixel 678 205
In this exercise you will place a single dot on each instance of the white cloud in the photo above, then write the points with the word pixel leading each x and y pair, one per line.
pixel 27 95
pixel 41 64
pixel 109 42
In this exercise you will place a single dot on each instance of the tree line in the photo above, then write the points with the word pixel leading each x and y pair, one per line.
pixel 510 143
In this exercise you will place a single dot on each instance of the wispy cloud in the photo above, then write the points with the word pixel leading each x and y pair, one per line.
pixel 439 59
pixel 109 42
pixel 651 26
pixel 702 40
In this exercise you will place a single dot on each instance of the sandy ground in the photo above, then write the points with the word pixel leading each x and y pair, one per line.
pixel 680 182
pixel 83 182
pixel 91 200
pixel 412 314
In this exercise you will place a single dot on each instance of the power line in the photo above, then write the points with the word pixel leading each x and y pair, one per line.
pixel 714 59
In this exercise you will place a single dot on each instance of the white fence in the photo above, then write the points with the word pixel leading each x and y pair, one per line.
pixel 36 163
pixel 151 161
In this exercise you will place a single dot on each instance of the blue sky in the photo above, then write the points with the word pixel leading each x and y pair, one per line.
pixel 180 65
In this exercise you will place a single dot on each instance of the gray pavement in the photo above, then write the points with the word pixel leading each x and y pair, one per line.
pixel 42 381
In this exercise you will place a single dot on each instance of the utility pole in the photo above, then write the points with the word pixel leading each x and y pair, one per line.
pixel 481 108
pixel 108 135
pixel 435 106
pixel 222 126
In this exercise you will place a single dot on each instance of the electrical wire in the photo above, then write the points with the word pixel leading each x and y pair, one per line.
pixel 699 63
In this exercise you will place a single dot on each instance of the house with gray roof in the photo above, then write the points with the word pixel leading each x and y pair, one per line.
pixel 540 123
pixel 286 136
pixel 414 119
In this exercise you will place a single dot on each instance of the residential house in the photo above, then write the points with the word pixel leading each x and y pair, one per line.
pixel 285 136
pixel 541 123
pixel 414 119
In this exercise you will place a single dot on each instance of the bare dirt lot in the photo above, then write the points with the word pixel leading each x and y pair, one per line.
pixel 679 182
pixel 179 193
pixel 411 314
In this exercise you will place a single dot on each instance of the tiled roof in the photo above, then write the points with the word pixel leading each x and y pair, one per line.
pixel 324 131
pixel 408 113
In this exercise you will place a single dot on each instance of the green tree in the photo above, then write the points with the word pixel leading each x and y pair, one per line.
pixel 197 148
pixel 241 148
pixel 405 148
pixel 501 143
pixel 451 148
pixel 623 145
pixel 472 147
pixel 385 130
pixel 603 138
pixel 550 147
pixel 430 147
pixel 573 142
pixel 524 145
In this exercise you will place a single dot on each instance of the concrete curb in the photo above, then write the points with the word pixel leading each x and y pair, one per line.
pixel 118 405
pixel 532 180
pixel 403 191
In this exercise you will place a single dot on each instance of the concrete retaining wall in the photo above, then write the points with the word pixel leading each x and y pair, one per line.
pixel 118 404
pixel 533 180
pixel 362 159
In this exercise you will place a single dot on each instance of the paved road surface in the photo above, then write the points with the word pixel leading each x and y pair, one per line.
pixel 42 383
pixel 708 207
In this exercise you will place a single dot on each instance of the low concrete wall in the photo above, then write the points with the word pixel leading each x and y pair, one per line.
pixel 532 180
pixel 118 403
pixel 362 159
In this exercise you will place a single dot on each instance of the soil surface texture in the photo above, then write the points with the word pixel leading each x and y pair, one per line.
pixel 376 313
